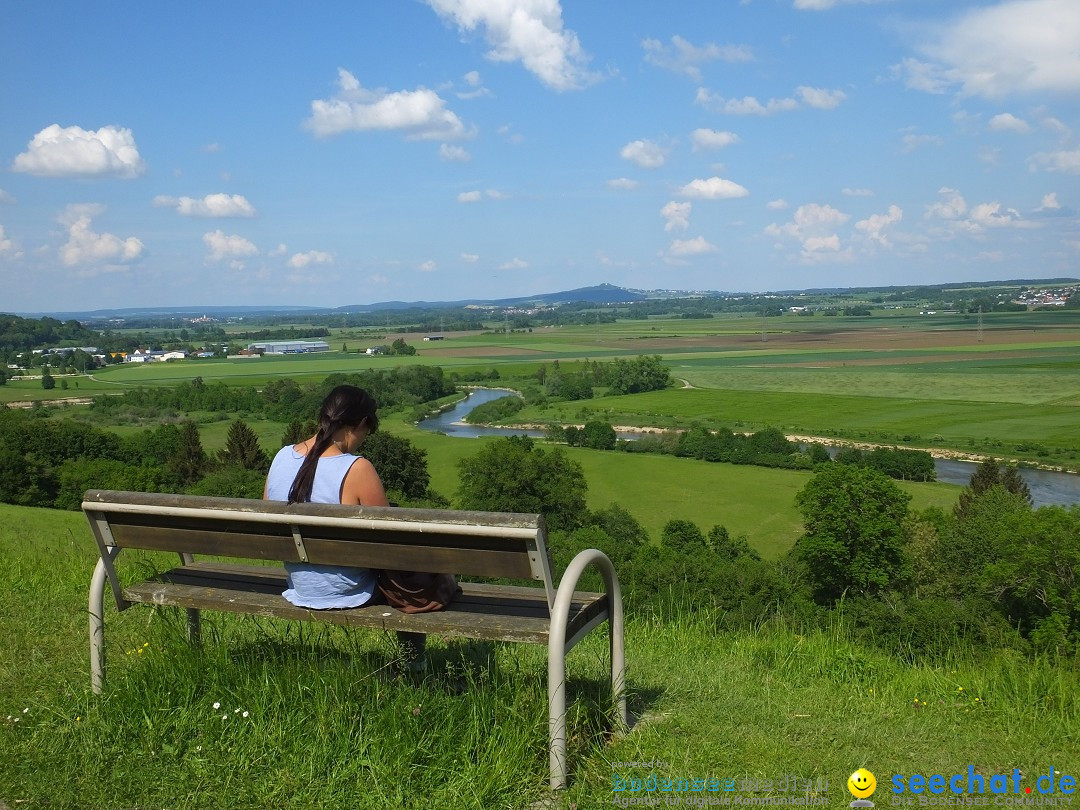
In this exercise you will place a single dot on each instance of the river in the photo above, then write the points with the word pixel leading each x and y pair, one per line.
pixel 1047 487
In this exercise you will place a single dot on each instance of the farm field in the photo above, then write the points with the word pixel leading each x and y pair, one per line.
pixel 1010 386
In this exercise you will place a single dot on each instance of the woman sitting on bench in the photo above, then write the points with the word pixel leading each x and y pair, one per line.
pixel 323 469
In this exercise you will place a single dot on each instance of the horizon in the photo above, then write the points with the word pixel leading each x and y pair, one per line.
pixel 448 150
pixel 258 309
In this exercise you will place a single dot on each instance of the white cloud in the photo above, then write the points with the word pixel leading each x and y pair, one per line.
pixel 1011 47
pixel 5 197
pixel 777 205
pixel 677 215
pixel 814 226
pixel 301 260
pixel 923 76
pixel 280 250
pixel 686 58
pixel 712 139
pixel 86 247
pixel 1007 122
pixel 470 258
pixel 646 154
pixel 8 248
pixel 1060 161
pixel 453 153
pixel 715 188
pixel 856 192
pixel 875 225
pixel 743 106
pixel 912 141
pixel 477 196
pixel 820 99
pixel 1054 125
pixel 824 5
pixel 992 215
pixel 622 184
pixel 419 114
pixel 814 97
pixel 222 246
pixel 691 247
pixel 526 31
pixel 514 264
pixel 951 205
pixel 472 78
pixel 1049 202
pixel 427 267
pixel 212 205
pixel 76 152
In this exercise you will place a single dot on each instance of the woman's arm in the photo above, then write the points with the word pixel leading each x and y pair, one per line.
pixel 363 486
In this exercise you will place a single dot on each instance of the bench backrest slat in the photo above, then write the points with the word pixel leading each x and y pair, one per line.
pixel 504 545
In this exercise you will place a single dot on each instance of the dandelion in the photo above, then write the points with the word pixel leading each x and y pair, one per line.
pixel 77 718
pixel 959 689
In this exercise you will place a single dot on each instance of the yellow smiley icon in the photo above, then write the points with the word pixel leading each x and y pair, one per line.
pixel 862 783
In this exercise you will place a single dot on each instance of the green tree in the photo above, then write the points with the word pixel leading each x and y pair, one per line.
pixel 230 482
pixel 854 541
pixel 297 431
pixel 988 474
pixel 401 466
pixel 242 449
pixel 1034 580
pixel 599 436
pixel 190 460
pixel 47 381
pixel 512 474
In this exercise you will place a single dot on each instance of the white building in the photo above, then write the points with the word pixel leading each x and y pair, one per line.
pixel 289 346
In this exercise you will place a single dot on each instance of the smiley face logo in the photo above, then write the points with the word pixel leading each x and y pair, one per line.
pixel 862 784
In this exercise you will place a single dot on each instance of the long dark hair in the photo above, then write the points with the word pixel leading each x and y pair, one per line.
pixel 345 406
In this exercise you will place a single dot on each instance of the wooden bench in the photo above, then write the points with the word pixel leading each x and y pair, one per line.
pixel 482 544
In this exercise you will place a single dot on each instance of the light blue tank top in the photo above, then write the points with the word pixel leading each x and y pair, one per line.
pixel 319 586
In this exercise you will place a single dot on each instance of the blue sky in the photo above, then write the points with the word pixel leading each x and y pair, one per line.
pixel 351 152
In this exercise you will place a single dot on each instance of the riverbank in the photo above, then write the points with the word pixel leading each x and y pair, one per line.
pixel 827 441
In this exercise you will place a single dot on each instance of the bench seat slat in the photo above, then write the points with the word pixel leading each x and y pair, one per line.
pixel 491 612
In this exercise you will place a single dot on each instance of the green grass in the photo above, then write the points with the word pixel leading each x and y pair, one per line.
pixel 324 730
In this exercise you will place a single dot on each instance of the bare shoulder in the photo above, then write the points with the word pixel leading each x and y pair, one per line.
pixel 362 485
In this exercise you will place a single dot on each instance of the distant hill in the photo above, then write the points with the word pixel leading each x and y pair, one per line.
pixel 598 294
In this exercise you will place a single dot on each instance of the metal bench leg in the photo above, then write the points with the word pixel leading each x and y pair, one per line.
pixel 97 628
pixel 557 706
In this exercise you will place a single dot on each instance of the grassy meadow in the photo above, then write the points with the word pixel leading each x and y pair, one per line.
pixel 278 714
